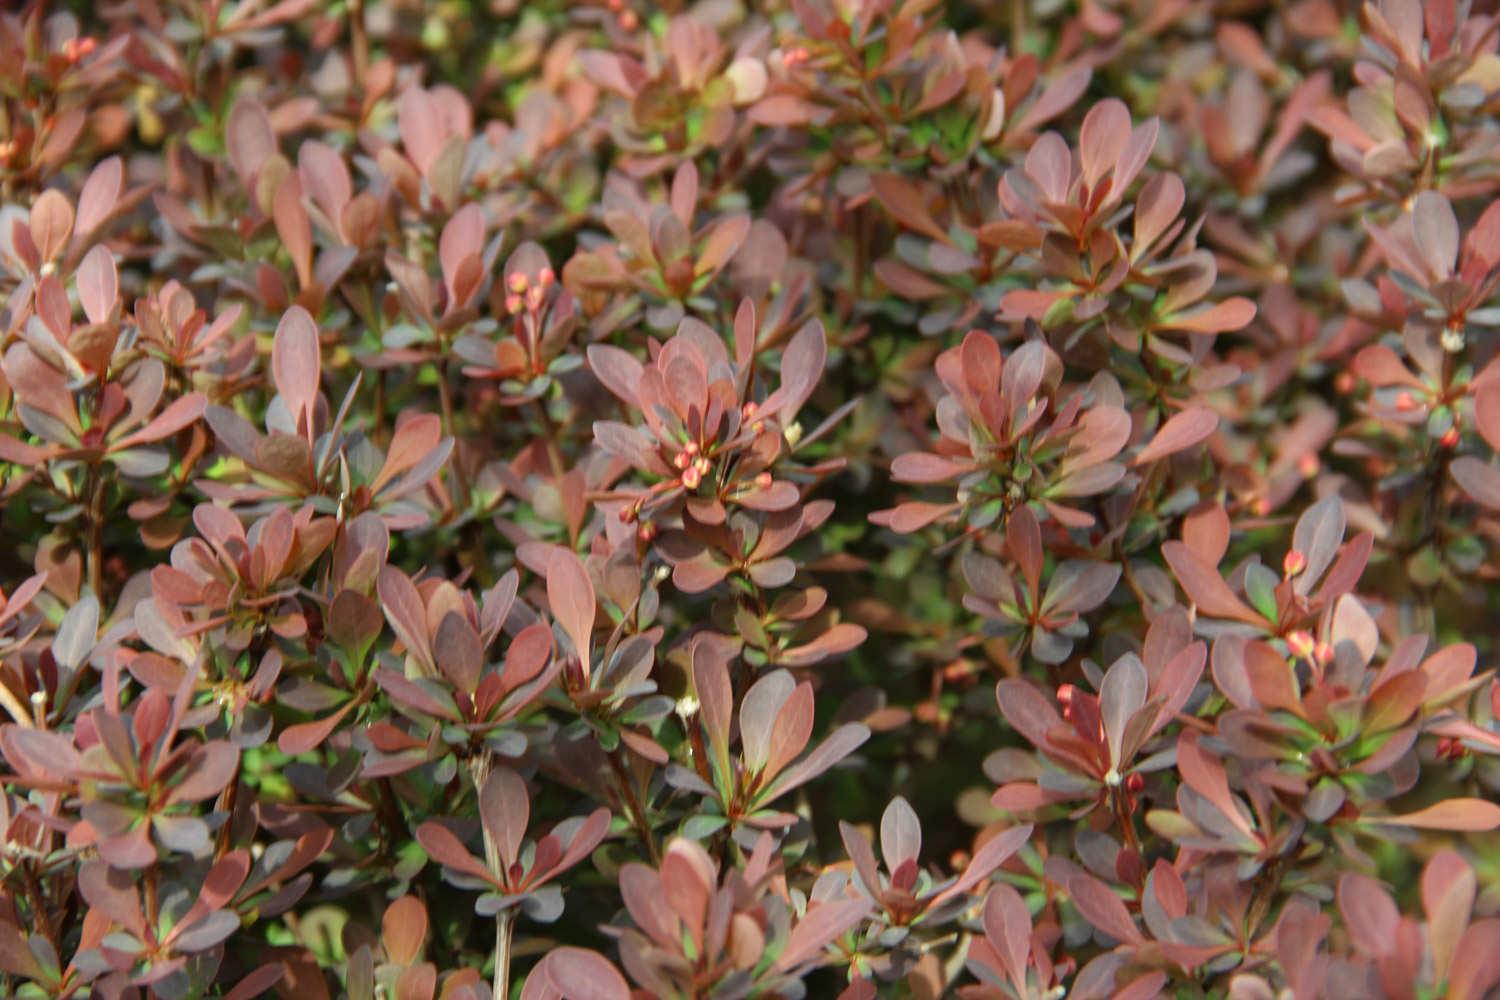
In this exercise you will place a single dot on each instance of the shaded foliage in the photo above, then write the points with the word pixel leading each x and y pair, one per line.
pixel 859 498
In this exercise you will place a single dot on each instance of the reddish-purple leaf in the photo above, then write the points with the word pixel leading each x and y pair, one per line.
pixel 1476 962
pixel 38 751
pixel 296 365
pixel 619 372
pixel 823 923
pixel 98 284
pixel 257 982
pixel 925 467
pixel 710 668
pixel 790 731
pixel 907 205
pixel 1182 431
pixel 993 853
pixel 801 367
pixel 914 515
pixel 1049 163
pixel 1231 314
pixel 51 223
pixel 900 833
pixel 836 641
pixel 1007 927
pixel 404 929
pixel 1102 137
pixel 446 849
pixel 570 594
pixel 100 194
pixel 1448 889
pixel 1157 207
pixel 307 736
pixel 1487 413
pixel 458 652
pixel 844 741
pixel 417 982
pixel 783 109
pixel 1204 586
pixel 249 138
pixel 112 892
pixel 1102 908
pixel 721 244
pixel 758 712
pixel 1369 914
pixel 421 126
pixel 1023 537
pixel 1479 479
pixel 406 613
pixel 1318 535
pixel 1459 814
pixel 462 238
pixel 324 178
pixel 1059 96
pixel 415 439
pixel 206 772
pixel 292 225
pixel 646 902
pixel 569 973
pixel 1435 228
pixel 182 413
pixel 505 808
pixel 1122 694
pixel 1205 775
pixel 1026 709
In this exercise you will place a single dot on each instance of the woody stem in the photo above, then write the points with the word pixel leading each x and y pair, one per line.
pixel 632 804
pixel 479 770
pixel 95 515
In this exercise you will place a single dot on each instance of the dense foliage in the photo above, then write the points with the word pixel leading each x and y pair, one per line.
pixel 836 498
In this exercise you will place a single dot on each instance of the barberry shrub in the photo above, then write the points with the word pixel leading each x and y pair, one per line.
pixel 799 498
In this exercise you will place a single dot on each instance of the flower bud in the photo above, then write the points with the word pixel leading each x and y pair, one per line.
pixel 1065 695
pixel 1302 644
pixel 1294 563
pixel 692 478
